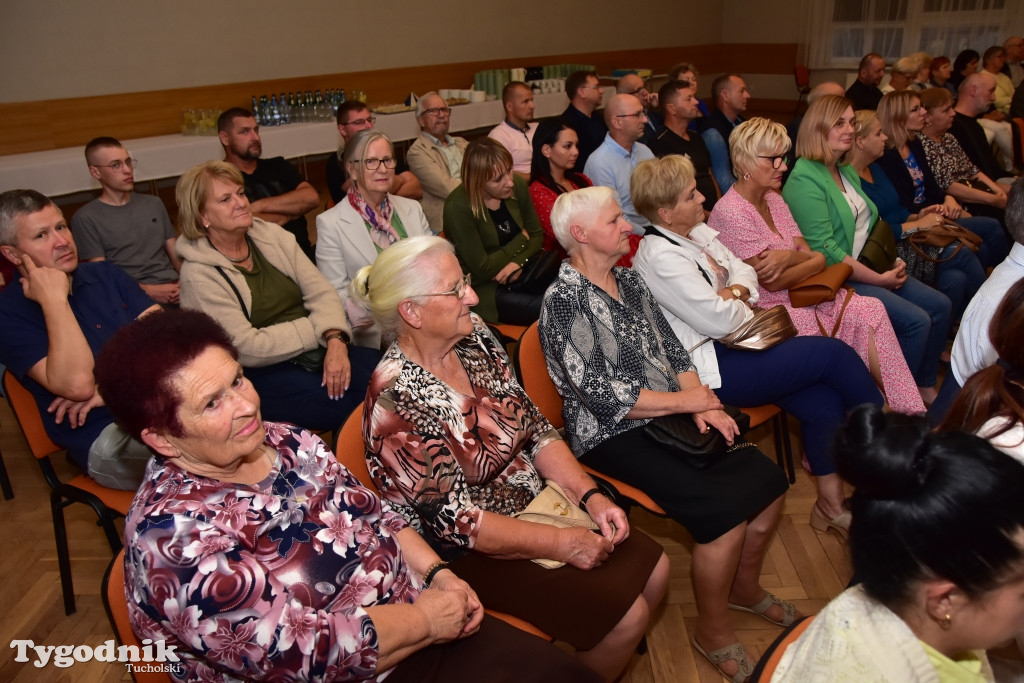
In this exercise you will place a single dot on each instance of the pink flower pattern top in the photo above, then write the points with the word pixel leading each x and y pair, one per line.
pixel 268 581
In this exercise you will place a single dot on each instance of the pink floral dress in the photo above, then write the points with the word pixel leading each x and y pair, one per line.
pixel 742 229
pixel 268 581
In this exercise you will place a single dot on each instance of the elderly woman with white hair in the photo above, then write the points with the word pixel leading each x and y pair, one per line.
pixel 618 364
pixel 455 444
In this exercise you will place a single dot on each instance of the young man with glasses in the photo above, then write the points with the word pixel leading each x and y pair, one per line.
pixel 130 230
pixel 354 116
pixel 435 157
pixel 612 164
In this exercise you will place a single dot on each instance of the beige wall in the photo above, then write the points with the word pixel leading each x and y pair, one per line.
pixel 57 49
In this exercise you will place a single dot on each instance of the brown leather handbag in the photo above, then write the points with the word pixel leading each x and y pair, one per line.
pixel 820 287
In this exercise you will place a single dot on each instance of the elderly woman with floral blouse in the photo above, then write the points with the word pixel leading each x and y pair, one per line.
pixel 455 444
pixel 256 556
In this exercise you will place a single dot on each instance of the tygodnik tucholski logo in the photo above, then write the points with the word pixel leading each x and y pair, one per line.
pixel 152 657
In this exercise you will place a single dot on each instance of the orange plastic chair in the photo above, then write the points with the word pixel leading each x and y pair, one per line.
pixel 352 454
pixel 769 661
pixel 107 503
pixel 533 373
pixel 115 602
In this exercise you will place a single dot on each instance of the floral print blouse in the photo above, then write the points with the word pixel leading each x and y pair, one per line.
pixel 601 352
pixel 441 457
pixel 268 581
pixel 947 159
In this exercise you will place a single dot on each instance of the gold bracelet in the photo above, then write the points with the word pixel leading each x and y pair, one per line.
pixel 432 571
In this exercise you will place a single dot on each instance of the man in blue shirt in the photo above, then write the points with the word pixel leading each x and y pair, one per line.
pixel 613 162
pixel 56 317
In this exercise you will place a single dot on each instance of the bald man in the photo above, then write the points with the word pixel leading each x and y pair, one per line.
pixel 632 84
pixel 976 93
pixel 613 162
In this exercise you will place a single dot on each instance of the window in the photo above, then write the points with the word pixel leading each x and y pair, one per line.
pixel 843 31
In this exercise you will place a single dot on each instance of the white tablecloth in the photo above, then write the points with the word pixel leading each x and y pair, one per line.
pixel 63 171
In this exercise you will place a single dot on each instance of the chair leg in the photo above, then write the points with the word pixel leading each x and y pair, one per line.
pixel 786 452
pixel 63 554
pixel 5 482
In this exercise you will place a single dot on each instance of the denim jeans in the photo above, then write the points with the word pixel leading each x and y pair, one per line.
pixel 959 278
pixel 817 380
pixel 920 315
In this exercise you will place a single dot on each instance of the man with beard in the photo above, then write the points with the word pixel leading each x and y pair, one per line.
pixel 276 191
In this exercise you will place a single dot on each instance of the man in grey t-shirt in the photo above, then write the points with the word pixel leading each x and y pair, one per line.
pixel 130 230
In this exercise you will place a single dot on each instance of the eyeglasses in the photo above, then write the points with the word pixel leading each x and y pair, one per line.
pixel 373 163
pixel 460 289
pixel 636 93
pixel 118 165
pixel 777 159
pixel 639 115
pixel 437 111
pixel 362 122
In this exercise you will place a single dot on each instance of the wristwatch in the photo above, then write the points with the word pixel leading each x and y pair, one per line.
pixel 736 292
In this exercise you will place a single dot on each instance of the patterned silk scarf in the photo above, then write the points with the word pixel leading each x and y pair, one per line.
pixel 382 233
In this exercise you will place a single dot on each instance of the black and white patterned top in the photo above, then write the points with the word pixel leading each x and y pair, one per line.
pixel 601 352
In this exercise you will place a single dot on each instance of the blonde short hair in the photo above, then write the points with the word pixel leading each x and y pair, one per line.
pixel 893 112
pixel 193 191
pixel 812 139
pixel 404 270
pixel 657 184
pixel 753 137
pixel 578 206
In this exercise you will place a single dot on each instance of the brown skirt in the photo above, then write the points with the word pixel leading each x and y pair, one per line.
pixel 569 604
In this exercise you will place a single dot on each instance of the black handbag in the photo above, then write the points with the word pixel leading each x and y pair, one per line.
pixel 680 433
pixel 536 274
pixel 879 251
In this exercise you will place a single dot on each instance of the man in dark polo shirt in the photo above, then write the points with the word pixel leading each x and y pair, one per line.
pixel 585 94
pixel 276 191
pixel 55 319
pixel 678 102
pixel 976 93
pixel 864 92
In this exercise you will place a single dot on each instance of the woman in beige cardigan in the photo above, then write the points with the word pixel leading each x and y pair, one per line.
pixel 285 319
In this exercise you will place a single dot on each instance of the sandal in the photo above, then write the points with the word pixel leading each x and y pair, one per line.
pixel 734 652
pixel 840 525
pixel 761 609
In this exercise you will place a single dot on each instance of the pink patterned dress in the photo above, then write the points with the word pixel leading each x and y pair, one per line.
pixel 269 581
pixel 746 234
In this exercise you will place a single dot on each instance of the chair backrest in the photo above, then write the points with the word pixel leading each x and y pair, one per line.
pixel 802 75
pixel 771 657
pixel 26 411
pixel 351 449
pixel 533 373
pixel 116 603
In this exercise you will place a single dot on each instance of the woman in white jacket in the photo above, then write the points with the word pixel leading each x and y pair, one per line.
pixel 368 220
pixel 706 293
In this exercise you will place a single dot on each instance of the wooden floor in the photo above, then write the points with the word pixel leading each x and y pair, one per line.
pixel 802 565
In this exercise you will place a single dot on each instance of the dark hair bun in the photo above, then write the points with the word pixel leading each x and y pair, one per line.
pixel 883 455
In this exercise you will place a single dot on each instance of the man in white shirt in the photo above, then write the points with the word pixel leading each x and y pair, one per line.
pixel 516 131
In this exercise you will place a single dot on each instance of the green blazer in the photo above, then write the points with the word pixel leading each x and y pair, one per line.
pixel 478 248
pixel 821 211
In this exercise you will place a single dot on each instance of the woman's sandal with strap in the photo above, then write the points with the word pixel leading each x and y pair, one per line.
pixel 761 609
pixel 734 652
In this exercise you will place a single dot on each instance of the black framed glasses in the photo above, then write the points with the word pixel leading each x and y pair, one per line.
pixel 362 122
pixel 374 163
pixel 116 166
pixel 777 159
pixel 438 111
pixel 459 290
